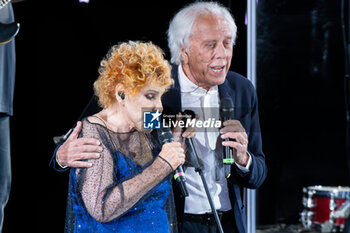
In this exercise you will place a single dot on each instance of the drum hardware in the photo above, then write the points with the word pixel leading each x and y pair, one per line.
pixel 343 211
pixel 306 217
pixel 307 202
pixel 332 206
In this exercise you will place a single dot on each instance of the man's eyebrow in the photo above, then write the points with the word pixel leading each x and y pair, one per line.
pixel 209 41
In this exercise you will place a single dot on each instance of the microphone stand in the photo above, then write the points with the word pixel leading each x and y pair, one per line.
pixel 193 149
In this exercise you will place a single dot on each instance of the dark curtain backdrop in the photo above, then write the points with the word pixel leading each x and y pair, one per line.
pixel 300 68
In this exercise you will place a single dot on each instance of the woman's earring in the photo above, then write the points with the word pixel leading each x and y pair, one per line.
pixel 122 95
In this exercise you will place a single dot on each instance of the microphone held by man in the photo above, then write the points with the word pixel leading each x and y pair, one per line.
pixel 227 113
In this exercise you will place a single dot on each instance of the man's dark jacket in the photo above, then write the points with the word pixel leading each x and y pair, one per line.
pixel 244 98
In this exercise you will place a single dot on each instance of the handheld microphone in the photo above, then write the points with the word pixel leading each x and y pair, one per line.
pixel 165 136
pixel 227 113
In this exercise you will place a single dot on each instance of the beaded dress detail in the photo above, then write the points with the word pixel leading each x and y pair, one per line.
pixel 111 196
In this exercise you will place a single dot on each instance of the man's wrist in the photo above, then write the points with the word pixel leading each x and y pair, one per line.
pixel 62 166
pixel 247 166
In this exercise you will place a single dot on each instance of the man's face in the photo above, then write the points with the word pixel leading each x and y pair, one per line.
pixel 208 58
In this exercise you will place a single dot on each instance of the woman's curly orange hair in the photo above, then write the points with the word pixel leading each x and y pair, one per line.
pixel 134 65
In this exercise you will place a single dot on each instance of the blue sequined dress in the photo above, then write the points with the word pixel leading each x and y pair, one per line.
pixel 152 213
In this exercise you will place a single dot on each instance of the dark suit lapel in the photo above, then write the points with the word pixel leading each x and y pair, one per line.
pixel 171 100
pixel 226 91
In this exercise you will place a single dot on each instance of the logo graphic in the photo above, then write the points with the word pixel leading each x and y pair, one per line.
pixel 151 119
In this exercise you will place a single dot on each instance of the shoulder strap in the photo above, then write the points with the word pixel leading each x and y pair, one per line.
pixel 104 123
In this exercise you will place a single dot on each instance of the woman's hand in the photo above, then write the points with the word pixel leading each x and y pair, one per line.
pixel 173 153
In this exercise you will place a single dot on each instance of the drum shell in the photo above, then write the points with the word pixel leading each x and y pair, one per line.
pixel 320 204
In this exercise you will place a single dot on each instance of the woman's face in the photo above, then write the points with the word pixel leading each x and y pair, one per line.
pixel 149 99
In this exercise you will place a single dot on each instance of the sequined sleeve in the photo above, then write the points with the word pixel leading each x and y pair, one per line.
pixel 103 196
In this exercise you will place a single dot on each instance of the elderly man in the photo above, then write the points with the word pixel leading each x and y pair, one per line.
pixel 201 38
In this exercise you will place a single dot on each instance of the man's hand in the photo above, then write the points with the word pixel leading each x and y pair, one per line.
pixel 233 129
pixel 179 135
pixel 74 150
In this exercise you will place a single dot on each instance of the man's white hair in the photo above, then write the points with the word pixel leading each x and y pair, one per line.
pixel 180 27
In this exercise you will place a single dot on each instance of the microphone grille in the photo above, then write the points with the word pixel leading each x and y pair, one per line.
pixel 226 103
pixel 226 109
pixel 165 135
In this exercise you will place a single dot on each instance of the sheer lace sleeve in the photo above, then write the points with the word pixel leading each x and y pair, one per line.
pixel 104 196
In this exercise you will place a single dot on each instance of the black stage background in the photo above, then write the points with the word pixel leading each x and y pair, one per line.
pixel 300 69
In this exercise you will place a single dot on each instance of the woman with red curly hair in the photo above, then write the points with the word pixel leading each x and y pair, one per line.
pixel 128 188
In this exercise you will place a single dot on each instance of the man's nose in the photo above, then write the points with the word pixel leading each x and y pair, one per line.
pixel 220 51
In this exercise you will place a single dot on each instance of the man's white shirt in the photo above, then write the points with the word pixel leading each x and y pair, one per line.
pixel 206 104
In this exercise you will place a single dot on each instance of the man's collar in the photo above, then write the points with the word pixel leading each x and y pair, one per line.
pixel 186 85
pixel 172 99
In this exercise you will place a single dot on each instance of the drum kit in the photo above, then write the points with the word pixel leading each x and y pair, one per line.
pixel 326 208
